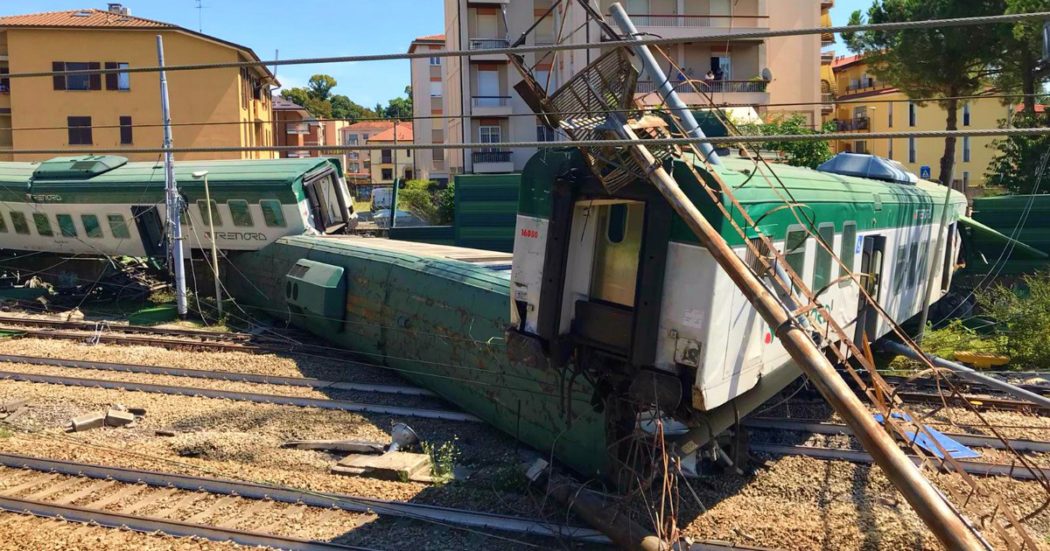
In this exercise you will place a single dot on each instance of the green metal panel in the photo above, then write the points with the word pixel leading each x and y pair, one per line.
pixel 487 210
pixel 317 290
pixel 1025 218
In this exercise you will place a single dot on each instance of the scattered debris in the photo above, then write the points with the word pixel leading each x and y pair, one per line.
pixel 403 466
pixel 118 415
pixel 353 446
pixel 11 406
pixel 117 418
pixel 165 432
pixel 87 422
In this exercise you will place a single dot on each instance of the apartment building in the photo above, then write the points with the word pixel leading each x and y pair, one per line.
pixel 294 126
pixel 113 111
pixel 478 91
pixel 867 105
pixel 428 106
pixel 388 164
pixel 359 162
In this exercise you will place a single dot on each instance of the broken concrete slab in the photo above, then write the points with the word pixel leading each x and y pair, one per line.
pixel 353 446
pixel 88 422
pixel 16 414
pixel 389 466
pixel 117 418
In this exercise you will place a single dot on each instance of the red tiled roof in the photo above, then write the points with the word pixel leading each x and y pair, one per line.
pixel 431 37
pixel 1039 108
pixel 404 134
pixel 81 18
pixel 369 125
pixel 845 60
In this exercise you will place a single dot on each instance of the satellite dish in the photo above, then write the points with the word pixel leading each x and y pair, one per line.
pixel 767 75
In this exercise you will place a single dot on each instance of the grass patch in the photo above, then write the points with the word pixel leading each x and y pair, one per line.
pixel 5 433
pixel 443 459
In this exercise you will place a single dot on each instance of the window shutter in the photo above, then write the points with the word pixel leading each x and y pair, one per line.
pixel 96 78
pixel 59 80
pixel 111 78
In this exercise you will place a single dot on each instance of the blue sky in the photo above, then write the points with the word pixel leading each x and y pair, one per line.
pixel 302 28
pixel 317 28
pixel 840 16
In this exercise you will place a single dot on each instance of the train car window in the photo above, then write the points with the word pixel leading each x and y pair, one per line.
pixel 795 250
pixel 66 225
pixel 43 224
pixel 848 248
pixel 616 229
pixel 3 223
pixel 21 225
pixel 822 269
pixel 913 264
pixel 91 226
pixel 118 227
pixel 272 213
pixel 184 216
pixel 215 218
pixel 240 213
pixel 899 268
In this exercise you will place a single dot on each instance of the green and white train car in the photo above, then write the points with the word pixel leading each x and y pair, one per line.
pixel 108 206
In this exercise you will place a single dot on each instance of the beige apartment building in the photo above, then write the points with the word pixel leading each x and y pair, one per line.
pixel 359 162
pixel 428 106
pixel 388 164
pixel 478 93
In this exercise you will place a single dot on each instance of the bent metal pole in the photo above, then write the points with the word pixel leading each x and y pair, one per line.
pixel 173 202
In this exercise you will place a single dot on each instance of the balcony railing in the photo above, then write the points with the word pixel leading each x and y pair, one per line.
pixel 696 21
pixel 715 86
pixel 488 43
pixel 856 123
pixel 490 101
pixel 490 156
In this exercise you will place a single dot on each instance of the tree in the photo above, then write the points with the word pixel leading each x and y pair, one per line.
pixel 942 62
pixel 1023 44
pixel 1018 162
pixel 417 198
pixel 400 108
pixel 345 108
pixel 321 86
pixel 808 153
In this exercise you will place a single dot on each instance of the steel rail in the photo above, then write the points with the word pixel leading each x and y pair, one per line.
pixel 1017 472
pixel 837 429
pixel 320 403
pixel 217 375
pixel 110 338
pixel 147 525
pixel 544 48
pixel 251 490
pixel 121 328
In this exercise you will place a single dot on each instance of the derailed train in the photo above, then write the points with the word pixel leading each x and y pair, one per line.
pixel 560 343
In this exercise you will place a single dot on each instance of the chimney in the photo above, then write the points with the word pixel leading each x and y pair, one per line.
pixel 118 9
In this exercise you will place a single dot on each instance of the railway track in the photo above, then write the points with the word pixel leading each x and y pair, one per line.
pixel 18 321
pixel 82 335
pixel 218 509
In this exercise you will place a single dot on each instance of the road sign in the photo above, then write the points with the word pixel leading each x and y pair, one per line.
pixel 925 173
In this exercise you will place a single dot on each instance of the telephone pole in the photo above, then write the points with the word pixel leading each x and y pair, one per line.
pixel 173 202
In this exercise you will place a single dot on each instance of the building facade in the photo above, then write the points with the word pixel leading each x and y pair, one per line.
pixel 478 91
pixel 112 111
pixel 388 164
pixel 428 107
pixel 865 105
pixel 294 126
pixel 359 162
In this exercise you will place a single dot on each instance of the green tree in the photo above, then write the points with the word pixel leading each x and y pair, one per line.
pixel 446 204
pixel 417 198
pixel 303 97
pixel 321 87
pixel 345 108
pixel 1022 48
pixel 941 62
pixel 1018 160
pixel 380 111
pixel 808 153
pixel 400 108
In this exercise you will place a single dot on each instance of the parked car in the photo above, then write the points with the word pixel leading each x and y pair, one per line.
pixel 381 198
pixel 405 219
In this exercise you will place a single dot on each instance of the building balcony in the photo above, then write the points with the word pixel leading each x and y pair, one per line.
pixel 750 92
pixel 849 125
pixel 492 162
pixel 490 106
pixel 680 26
pixel 827 100
pixel 481 44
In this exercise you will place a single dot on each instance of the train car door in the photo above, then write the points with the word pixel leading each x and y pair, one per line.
pixel 151 230
pixel 327 204
pixel 871 269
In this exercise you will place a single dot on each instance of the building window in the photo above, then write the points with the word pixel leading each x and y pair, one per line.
pixel 43 225
pixel 126 133
pixel 435 61
pixel 91 226
pixel 435 88
pixel 79 81
pixel 890 118
pixel 890 142
pixel 352 139
pixel 544 134
pixel 354 167
pixel 66 226
pixel 215 218
pixel 966 149
pixel 5 83
pixel 388 174
pixel 273 215
pixel 861 147
pixel 21 225
pixel 79 130
pixel 386 156
pixel 911 114
pixel 437 155
pixel 490 134
pixel 118 227
pixel 117 81
pixel 966 114
pixel 911 149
